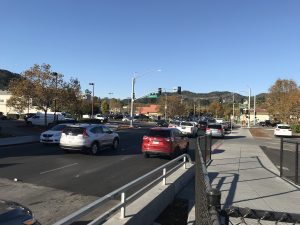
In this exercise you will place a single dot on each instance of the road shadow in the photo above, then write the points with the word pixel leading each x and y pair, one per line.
pixel 233 137
pixel 217 151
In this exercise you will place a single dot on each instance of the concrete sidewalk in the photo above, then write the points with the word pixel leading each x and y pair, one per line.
pixel 247 178
pixel 19 140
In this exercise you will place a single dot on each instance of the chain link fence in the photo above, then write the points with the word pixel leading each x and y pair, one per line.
pixel 207 200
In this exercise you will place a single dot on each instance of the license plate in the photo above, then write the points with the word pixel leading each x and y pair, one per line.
pixel 155 142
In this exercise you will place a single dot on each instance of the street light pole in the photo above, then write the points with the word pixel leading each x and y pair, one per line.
pixel 55 74
pixel 93 84
pixel 132 100
pixel 249 107
pixel 166 104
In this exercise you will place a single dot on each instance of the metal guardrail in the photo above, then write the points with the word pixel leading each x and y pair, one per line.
pixel 122 192
pixel 296 154
pixel 207 199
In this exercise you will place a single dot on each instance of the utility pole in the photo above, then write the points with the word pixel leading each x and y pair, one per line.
pixel 249 107
pixel 232 111
pixel 55 74
pixel 132 100
pixel 254 106
pixel 93 84
pixel 166 104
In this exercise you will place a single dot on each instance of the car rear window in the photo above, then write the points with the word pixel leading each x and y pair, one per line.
pixel 160 133
pixel 73 130
pixel 284 127
pixel 58 127
pixel 187 124
pixel 214 126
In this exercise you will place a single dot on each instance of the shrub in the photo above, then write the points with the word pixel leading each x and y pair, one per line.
pixel 296 128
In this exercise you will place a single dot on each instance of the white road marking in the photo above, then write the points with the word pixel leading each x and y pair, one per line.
pixel 63 167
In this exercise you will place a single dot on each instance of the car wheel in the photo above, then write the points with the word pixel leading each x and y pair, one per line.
pixel 146 155
pixel 66 151
pixel 115 144
pixel 29 123
pixel 94 148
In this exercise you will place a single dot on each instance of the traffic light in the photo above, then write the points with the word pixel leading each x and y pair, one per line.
pixel 179 90
pixel 159 91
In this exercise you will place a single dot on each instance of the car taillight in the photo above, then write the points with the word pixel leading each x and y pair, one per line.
pixel 145 138
pixel 290 129
pixel 219 129
pixel 207 129
pixel 84 133
pixel 277 129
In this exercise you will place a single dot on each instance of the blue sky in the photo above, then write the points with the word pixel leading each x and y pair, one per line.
pixel 201 45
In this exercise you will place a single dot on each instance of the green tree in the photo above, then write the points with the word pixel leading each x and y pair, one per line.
pixel 283 100
pixel 104 107
pixel 43 85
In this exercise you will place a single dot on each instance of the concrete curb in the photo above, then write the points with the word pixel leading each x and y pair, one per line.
pixel 149 206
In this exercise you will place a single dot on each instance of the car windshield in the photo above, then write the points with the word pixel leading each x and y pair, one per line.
pixel 284 127
pixel 160 133
pixel 59 127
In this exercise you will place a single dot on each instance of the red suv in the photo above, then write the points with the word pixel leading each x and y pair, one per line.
pixel 164 141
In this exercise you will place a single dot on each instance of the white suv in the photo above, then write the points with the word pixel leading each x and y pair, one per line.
pixel 88 137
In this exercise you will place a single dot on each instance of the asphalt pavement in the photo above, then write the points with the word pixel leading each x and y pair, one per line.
pixel 54 184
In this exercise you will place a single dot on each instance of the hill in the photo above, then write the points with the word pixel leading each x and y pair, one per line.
pixel 5 77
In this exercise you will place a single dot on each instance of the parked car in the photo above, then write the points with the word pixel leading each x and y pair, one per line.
pixel 162 123
pixel 202 125
pixel 102 118
pixel 28 115
pixel 12 213
pixel 174 123
pixel 39 119
pixel 283 130
pixel 215 129
pixel 2 116
pixel 53 135
pixel 88 137
pixel 188 128
pixel 164 141
pixel 127 119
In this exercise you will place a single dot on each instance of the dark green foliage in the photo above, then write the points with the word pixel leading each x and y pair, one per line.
pixel 6 77
pixel 296 128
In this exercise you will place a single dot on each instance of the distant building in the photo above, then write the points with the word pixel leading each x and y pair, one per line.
pixel 151 110
pixel 4 96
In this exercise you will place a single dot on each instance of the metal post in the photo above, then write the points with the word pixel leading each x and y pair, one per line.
pixel 132 100
pixel 164 176
pixel 123 200
pixel 205 150
pixel 281 155
pixel 297 163
pixel 184 162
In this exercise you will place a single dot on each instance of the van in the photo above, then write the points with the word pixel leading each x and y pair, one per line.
pixel 39 119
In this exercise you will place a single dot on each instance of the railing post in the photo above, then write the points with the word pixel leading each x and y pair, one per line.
pixel 281 156
pixel 205 150
pixel 297 163
pixel 184 162
pixel 210 144
pixel 164 176
pixel 123 200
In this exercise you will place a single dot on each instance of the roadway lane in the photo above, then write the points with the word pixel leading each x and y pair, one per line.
pixel 80 173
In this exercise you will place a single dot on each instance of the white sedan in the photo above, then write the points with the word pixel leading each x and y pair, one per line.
pixel 53 135
pixel 283 130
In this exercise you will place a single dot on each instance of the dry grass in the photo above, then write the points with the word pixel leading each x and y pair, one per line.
pixel 259 133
